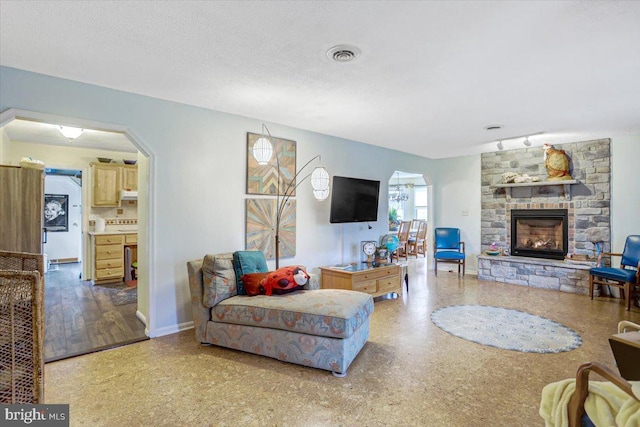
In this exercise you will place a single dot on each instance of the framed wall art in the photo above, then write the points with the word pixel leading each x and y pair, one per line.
pixel 263 179
pixel 56 216
pixel 261 226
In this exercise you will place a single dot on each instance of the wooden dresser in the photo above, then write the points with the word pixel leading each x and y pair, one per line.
pixel 364 278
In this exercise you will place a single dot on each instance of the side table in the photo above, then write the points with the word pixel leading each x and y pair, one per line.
pixel 626 350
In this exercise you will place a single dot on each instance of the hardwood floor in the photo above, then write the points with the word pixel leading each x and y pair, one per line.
pixel 81 318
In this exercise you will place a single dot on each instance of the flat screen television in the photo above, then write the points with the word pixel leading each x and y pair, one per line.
pixel 354 200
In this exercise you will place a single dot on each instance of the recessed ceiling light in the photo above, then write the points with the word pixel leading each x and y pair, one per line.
pixel 343 53
pixel 493 127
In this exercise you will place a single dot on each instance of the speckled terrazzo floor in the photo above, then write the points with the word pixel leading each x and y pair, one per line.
pixel 410 373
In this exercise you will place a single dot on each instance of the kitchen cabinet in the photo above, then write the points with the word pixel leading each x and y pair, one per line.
pixel 21 209
pixel 108 180
pixel 130 178
pixel 106 185
pixel 108 251
pixel 108 255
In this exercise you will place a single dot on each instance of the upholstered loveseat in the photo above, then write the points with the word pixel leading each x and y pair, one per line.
pixel 320 328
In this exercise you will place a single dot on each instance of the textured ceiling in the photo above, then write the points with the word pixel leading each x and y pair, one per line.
pixel 430 77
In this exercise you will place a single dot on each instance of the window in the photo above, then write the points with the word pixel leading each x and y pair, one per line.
pixel 421 201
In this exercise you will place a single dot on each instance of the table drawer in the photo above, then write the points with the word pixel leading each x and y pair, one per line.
pixel 109 273
pixel 368 286
pixel 130 238
pixel 110 239
pixel 389 284
pixel 110 263
pixel 109 252
pixel 371 275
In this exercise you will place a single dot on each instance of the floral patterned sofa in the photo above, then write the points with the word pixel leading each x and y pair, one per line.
pixel 320 328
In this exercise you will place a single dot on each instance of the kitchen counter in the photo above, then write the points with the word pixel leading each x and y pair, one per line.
pixel 109 232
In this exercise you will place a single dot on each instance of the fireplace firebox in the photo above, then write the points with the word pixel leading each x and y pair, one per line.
pixel 539 233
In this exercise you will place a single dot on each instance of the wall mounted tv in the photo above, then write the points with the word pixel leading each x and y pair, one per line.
pixel 354 200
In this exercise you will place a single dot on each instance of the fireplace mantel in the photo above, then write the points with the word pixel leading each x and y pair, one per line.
pixel 567 186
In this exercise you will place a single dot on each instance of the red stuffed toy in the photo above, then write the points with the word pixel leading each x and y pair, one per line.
pixel 284 280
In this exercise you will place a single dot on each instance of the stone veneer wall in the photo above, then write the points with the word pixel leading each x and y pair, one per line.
pixel 589 207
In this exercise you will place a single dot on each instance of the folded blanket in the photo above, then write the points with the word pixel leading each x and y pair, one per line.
pixel 606 405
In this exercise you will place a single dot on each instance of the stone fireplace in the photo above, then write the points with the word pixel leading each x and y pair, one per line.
pixel 539 233
pixel 539 246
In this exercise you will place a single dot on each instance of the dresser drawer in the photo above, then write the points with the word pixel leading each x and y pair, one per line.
pixel 368 286
pixel 110 239
pixel 109 263
pixel 130 239
pixel 109 273
pixel 389 284
pixel 109 252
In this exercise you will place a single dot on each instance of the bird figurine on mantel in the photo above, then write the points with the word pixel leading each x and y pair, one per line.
pixel 557 164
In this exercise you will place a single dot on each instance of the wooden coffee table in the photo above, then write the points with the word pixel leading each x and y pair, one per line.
pixel 363 277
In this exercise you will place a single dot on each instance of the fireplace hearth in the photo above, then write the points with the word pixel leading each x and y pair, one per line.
pixel 539 233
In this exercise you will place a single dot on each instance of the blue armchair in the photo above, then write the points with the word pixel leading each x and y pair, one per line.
pixel 447 248
pixel 626 278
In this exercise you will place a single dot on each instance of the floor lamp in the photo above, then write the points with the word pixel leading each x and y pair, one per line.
pixel 262 151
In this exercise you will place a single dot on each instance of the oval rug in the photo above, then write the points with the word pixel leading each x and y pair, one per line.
pixel 506 329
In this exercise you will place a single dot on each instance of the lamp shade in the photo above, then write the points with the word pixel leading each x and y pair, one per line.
pixel 262 150
pixel 321 194
pixel 320 179
pixel 70 132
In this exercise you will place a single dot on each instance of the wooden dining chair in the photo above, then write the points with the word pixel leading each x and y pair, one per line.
pixel 403 237
pixel 418 244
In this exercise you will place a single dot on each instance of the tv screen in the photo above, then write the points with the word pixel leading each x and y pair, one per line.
pixel 354 200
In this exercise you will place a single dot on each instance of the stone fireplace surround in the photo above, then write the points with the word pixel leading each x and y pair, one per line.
pixel 588 211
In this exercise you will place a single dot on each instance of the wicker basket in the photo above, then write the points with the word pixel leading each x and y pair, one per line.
pixel 21 328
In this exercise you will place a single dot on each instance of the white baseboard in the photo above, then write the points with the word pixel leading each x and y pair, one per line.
pixel 167 330
pixel 141 317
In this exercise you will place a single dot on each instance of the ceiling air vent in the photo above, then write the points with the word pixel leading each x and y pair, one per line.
pixel 343 53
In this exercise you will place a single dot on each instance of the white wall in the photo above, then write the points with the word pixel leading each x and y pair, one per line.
pixel 197 185
pixel 625 190
pixel 456 203
pixel 197 172
pixel 65 245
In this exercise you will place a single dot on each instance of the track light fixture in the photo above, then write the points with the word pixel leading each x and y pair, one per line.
pixel 526 142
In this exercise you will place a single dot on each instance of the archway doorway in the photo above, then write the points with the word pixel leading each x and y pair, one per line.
pixel 408 198
pixel 104 322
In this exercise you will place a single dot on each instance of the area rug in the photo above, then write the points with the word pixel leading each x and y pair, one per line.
pixel 122 294
pixel 506 329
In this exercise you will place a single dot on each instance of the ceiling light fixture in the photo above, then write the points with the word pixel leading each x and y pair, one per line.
pixel 527 142
pixel 343 53
pixel 397 195
pixel 70 132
